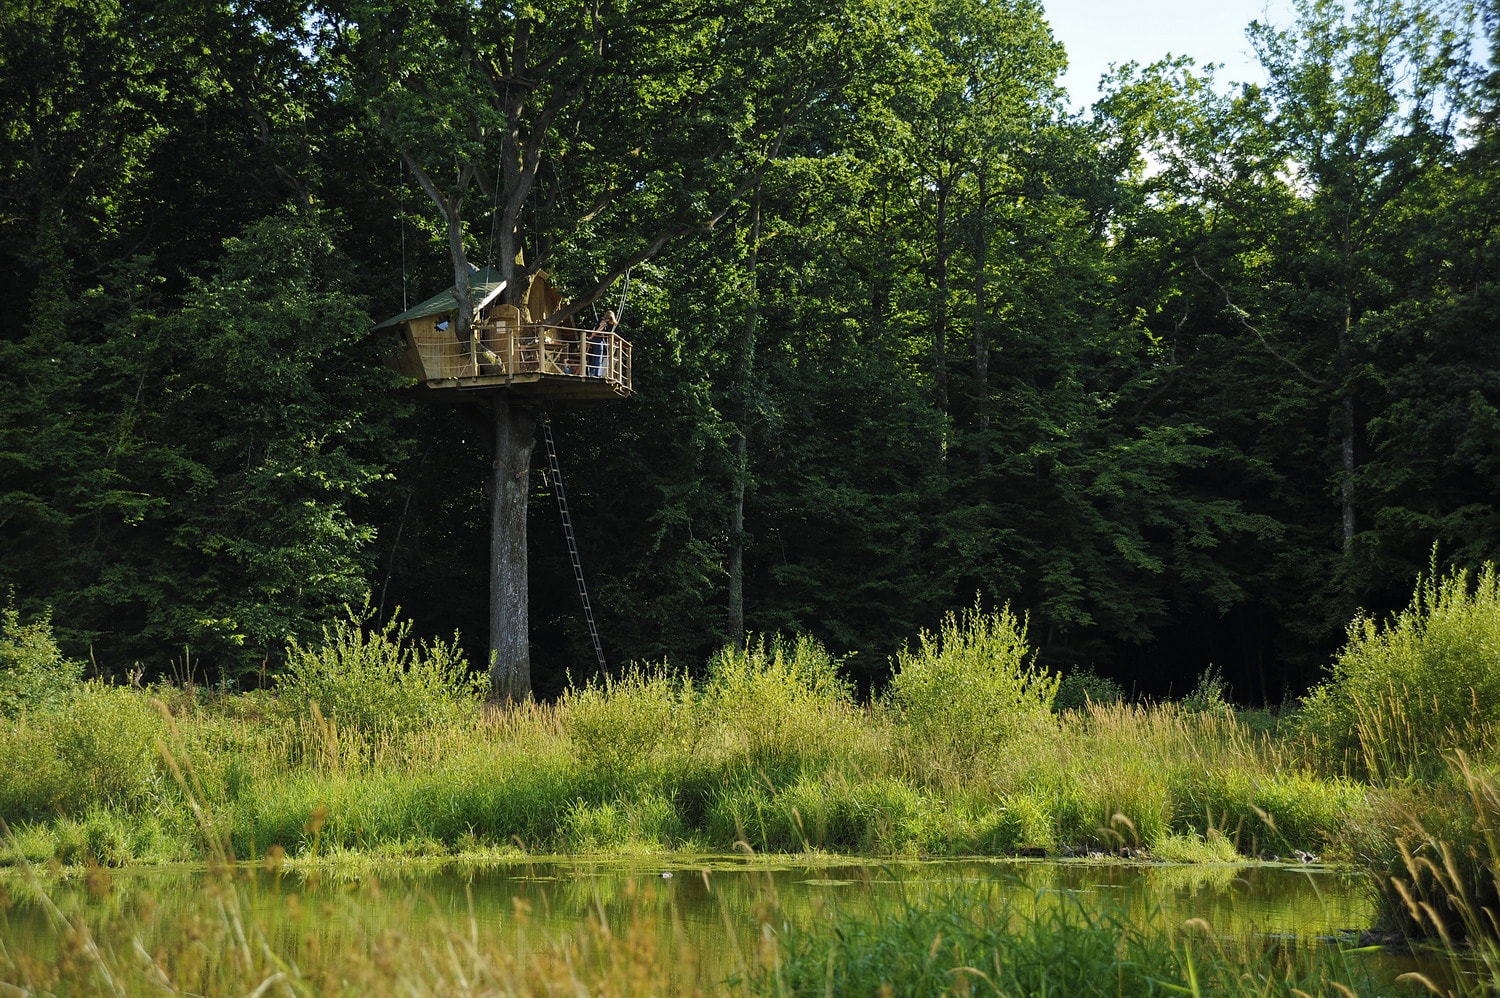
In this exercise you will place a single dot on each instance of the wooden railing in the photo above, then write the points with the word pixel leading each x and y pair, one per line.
pixel 499 349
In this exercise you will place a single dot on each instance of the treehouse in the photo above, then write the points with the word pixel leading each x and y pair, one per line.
pixel 514 347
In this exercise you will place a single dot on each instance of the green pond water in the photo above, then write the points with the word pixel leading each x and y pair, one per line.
pixel 710 911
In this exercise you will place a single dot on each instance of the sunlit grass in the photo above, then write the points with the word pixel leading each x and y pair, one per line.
pixel 769 752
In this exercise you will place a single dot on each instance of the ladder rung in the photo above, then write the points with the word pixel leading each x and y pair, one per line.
pixel 555 467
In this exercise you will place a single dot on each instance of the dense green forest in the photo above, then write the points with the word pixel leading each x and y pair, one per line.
pixel 1189 377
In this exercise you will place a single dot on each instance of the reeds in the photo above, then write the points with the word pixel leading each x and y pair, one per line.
pixel 769 751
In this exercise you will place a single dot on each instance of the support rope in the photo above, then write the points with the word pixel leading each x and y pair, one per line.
pixel 401 209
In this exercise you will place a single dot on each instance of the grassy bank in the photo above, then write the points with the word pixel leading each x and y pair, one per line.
pixel 375 747
pixel 375 744
pixel 768 751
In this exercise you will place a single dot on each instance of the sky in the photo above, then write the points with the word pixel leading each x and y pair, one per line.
pixel 1099 32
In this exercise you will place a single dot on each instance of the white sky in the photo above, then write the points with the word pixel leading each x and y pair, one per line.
pixel 1099 32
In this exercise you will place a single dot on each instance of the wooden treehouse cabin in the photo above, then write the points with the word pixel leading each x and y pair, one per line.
pixel 514 347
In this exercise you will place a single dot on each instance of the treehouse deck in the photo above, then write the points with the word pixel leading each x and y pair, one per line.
pixel 515 347
pixel 536 359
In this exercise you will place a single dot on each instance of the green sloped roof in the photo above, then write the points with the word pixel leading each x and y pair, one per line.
pixel 482 283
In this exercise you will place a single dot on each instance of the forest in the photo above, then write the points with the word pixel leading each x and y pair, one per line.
pixel 1189 378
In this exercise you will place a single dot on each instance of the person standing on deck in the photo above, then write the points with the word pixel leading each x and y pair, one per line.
pixel 599 345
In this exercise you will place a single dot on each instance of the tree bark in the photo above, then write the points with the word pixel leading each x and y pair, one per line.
pixel 940 306
pixel 981 339
pixel 741 471
pixel 510 654
pixel 1346 429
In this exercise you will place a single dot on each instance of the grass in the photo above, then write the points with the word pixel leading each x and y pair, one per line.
pixel 765 753
pixel 968 941
pixel 968 754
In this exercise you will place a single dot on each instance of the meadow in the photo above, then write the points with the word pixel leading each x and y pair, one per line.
pixel 372 748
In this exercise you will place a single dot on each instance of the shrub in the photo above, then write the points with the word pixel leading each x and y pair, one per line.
pixel 1210 695
pixel 106 739
pixel 972 686
pixel 1426 683
pixel 34 673
pixel 1080 687
pixel 621 725
pixel 33 782
pixel 98 749
pixel 778 702
pixel 378 680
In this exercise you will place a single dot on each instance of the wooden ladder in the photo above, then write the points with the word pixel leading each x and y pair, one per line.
pixel 555 469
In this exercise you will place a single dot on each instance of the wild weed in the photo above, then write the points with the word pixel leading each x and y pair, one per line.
pixel 967 690
pixel 376 679
pixel 1403 693
pixel 34 673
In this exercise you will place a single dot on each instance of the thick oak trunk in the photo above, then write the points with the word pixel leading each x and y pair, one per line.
pixel 510 655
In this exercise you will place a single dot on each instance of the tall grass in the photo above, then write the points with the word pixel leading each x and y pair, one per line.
pixel 1435 860
pixel 1403 693
pixel 768 751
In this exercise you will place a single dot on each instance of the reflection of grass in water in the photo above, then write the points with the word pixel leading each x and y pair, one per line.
pixel 237 931
pixel 973 940
pixel 1197 877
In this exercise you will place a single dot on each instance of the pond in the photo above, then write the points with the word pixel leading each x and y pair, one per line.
pixel 706 914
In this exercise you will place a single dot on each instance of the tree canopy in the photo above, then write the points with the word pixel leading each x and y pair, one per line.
pixel 1190 377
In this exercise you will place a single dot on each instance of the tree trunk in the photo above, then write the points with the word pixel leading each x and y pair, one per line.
pixel 981 339
pixel 1346 429
pixel 741 470
pixel 940 306
pixel 510 655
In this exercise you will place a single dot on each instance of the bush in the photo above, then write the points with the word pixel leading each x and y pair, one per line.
pixel 624 725
pixel 1404 694
pixel 1210 695
pixel 378 680
pixel 972 686
pixel 1081 687
pixel 34 673
pixel 96 750
pixel 778 702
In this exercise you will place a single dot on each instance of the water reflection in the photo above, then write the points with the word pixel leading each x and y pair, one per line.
pixel 705 912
